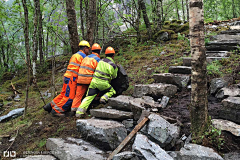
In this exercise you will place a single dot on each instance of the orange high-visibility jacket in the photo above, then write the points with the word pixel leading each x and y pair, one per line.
pixel 87 68
pixel 74 64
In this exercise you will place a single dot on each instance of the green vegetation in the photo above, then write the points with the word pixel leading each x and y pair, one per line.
pixel 214 69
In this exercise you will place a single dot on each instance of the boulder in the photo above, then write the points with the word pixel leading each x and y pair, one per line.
pixel 164 101
pixel 198 152
pixel 137 108
pixel 227 45
pixel 231 156
pixel 217 84
pixel 179 80
pixel 37 157
pixel 126 156
pixel 120 102
pixel 148 149
pixel 180 69
pixel 12 114
pixel 111 114
pixel 225 125
pixel 232 103
pixel 106 134
pixel 161 131
pixel 74 149
pixel 129 124
pixel 120 83
pixel 154 90
pixel 230 114
pixel 187 61
pixel 228 92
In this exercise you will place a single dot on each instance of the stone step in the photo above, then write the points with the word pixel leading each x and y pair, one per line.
pixel 111 114
pixel 155 90
pixel 74 149
pixel 120 102
pixel 37 157
pixel 226 125
pixel 187 60
pixel 231 32
pixel 104 133
pixel 180 80
pixel 228 45
pixel 217 53
pixel 180 69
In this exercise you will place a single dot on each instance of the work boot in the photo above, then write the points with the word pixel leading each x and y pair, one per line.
pixel 48 107
pixel 102 101
pixel 55 114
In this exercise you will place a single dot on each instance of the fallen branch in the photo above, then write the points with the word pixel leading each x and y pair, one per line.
pixel 13 140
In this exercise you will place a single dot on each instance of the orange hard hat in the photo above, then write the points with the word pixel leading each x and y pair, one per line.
pixel 96 46
pixel 110 50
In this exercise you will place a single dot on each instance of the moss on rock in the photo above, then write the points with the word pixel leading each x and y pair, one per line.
pixel 179 22
pixel 167 22
pixel 174 21
pixel 183 28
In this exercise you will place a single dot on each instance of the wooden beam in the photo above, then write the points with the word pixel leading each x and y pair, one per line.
pixel 128 138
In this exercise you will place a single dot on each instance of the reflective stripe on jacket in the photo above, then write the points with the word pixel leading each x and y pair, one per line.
pixel 106 69
pixel 74 64
pixel 87 68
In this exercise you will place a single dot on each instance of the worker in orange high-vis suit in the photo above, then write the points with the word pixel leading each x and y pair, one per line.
pixel 85 75
pixel 63 101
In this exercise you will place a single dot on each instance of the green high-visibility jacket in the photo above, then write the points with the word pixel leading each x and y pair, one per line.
pixel 106 70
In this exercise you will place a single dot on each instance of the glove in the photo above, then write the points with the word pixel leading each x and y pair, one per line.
pixel 79 114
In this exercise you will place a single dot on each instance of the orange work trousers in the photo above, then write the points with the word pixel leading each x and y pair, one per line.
pixel 80 92
pixel 63 101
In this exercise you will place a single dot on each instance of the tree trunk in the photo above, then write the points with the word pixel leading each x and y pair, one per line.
pixel 233 9
pixel 145 17
pixel 82 22
pixel 159 19
pixel 72 26
pixel 92 21
pixel 183 10
pixel 40 36
pixel 4 58
pixel 86 16
pixel 187 10
pixel 53 69
pixel 199 101
pixel 178 17
pixel 27 52
pixel 35 38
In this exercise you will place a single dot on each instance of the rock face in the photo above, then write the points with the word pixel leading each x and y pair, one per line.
pixel 231 109
pixel 227 126
pixel 217 84
pixel 149 149
pixel 120 102
pixel 111 114
pixel 106 134
pixel 12 114
pixel 228 92
pixel 74 149
pixel 120 83
pixel 197 152
pixel 126 156
pixel 161 131
pixel 180 69
pixel 179 80
pixel 155 90
pixel 38 157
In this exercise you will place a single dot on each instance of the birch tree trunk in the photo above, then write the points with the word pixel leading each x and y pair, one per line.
pixel 159 19
pixel 183 10
pixel 72 26
pixel 199 102
pixel 35 39
pixel 40 36
pixel 27 52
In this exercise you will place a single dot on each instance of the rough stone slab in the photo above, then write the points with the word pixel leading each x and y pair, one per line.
pixel 228 92
pixel 149 149
pixel 198 152
pixel 179 80
pixel 12 114
pixel 120 102
pixel 106 134
pixel 180 69
pixel 161 130
pixel 217 84
pixel 231 32
pixel 232 156
pixel 232 102
pixel 136 107
pixel 164 101
pixel 111 114
pixel 73 149
pixel 217 53
pixel 38 157
pixel 230 114
pixel 129 124
pixel 220 45
pixel 126 156
pixel 226 37
pixel 187 60
pixel 227 126
pixel 154 90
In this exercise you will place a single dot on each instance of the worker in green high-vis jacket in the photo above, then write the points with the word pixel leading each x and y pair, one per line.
pixel 106 71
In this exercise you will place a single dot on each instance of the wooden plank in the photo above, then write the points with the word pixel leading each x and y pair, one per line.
pixel 128 138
